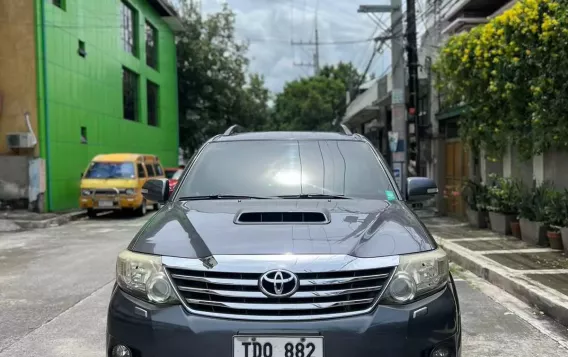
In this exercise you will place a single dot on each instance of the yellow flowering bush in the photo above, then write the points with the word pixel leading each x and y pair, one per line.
pixel 512 74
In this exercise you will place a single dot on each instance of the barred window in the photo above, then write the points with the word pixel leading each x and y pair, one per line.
pixel 128 17
pixel 152 102
pixel 130 94
pixel 151 46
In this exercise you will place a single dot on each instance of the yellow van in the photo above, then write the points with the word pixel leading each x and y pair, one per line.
pixel 114 182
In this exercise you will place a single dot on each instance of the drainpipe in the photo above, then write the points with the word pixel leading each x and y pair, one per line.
pixel 43 59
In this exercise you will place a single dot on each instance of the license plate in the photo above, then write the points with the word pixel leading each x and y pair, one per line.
pixel 277 346
pixel 106 203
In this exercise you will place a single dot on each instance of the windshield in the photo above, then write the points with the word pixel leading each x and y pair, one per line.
pixel 288 168
pixel 111 170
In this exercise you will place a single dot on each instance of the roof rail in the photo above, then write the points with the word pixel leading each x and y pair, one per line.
pixel 233 129
pixel 346 130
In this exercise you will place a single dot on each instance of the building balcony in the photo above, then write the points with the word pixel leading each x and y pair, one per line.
pixel 462 15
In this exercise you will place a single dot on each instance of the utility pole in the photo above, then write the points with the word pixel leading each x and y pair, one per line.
pixel 398 135
pixel 316 57
pixel 413 86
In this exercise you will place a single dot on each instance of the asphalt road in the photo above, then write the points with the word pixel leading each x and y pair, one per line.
pixel 55 285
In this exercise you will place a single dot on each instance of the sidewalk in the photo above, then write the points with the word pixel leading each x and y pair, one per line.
pixel 18 220
pixel 538 276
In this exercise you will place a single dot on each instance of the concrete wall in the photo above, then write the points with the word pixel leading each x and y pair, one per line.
pixel 13 178
pixel 552 166
pixel 515 167
pixel 17 70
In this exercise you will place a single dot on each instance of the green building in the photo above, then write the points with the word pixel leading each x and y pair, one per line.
pixel 86 77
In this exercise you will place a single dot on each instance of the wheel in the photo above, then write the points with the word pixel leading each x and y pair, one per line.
pixel 141 211
pixel 156 206
pixel 91 213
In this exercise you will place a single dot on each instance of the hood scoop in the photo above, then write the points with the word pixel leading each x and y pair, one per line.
pixel 279 217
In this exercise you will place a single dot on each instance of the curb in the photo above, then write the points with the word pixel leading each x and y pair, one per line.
pixel 55 221
pixel 549 301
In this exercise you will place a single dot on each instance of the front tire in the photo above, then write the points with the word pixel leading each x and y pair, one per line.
pixel 156 206
pixel 141 211
pixel 91 213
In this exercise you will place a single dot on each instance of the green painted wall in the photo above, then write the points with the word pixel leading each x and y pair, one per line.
pixel 87 92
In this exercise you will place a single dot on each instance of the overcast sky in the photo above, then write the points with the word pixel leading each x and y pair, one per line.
pixel 270 25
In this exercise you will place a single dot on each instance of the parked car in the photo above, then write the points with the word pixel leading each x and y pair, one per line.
pixel 171 171
pixel 174 180
pixel 114 182
pixel 285 245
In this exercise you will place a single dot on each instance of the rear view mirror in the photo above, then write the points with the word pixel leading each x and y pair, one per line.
pixel 157 190
pixel 420 189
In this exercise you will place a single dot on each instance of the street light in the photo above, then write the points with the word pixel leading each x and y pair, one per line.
pixel 376 8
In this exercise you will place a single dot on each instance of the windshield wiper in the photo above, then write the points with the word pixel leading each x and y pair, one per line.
pixel 223 197
pixel 315 196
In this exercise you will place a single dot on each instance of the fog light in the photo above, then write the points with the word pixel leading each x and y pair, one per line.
pixel 121 351
pixel 441 351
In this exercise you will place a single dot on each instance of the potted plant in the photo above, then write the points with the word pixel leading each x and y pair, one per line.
pixel 474 195
pixel 555 212
pixel 503 200
pixel 532 213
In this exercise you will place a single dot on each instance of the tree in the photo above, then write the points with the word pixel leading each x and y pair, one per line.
pixel 511 74
pixel 313 103
pixel 213 89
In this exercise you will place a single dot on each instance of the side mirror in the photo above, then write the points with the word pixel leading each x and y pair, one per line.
pixel 420 189
pixel 157 190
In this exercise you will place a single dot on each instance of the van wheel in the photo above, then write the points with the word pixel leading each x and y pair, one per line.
pixel 156 206
pixel 141 211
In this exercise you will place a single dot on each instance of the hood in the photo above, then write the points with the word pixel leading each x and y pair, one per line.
pixel 361 228
pixel 108 183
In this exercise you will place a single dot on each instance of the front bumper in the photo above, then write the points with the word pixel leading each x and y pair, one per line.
pixel 390 331
pixel 119 202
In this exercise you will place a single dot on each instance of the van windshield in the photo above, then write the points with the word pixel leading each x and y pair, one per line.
pixel 111 170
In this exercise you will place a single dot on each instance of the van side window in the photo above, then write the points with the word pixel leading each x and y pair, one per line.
pixel 150 170
pixel 158 170
pixel 141 172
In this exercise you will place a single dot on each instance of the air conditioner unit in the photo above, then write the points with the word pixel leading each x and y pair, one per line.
pixel 20 140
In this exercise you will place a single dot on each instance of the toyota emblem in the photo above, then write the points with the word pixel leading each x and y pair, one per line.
pixel 278 283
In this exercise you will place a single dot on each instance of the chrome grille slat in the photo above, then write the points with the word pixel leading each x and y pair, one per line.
pixel 275 307
pixel 298 295
pixel 325 290
pixel 250 282
pixel 216 280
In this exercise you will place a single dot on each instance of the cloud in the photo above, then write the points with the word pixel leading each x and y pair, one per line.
pixel 270 26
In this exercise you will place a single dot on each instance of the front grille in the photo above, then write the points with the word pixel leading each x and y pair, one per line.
pixel 324 295
pixel 108 192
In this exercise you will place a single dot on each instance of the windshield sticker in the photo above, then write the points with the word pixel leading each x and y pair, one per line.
pixel 390 195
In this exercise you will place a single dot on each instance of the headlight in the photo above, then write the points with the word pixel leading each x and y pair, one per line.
pixel 86 192
pixel 130 191
pixel 417 275
pixel 143 275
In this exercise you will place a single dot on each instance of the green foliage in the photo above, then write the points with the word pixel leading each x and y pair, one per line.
pixel 556 209
pixel 475 195
pixel 313 103
pixel 511 74
pixel 214 90
pixel 534 200
pixel 504 195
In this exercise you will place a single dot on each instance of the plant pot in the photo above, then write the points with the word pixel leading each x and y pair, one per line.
pixel 476 218
pixel 501 223
pixel 554 239
pixel 533 232
pixel 516 229
pixel 564 234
